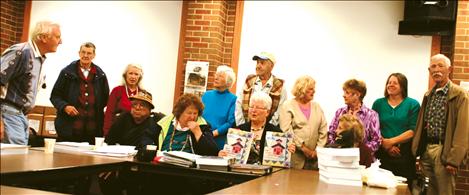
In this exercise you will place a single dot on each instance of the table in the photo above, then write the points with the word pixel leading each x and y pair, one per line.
pixel 8 190
pixel 291 181
pixel 36 166
pixel 194 173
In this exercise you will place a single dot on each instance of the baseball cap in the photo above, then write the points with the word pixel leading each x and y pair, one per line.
pixel 265 56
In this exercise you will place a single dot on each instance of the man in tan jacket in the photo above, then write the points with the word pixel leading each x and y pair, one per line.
pixel 441 136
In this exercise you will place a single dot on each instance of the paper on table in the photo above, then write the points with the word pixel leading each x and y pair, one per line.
pixel 115 150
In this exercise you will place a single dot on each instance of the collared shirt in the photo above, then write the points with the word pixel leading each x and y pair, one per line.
pixel 257 86
pixel 435 112
pixel 370 121
pixel 264 88
pixel 42 58
pixel 85 71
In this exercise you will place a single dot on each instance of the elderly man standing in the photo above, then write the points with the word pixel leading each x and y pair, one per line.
pixel 441 136
pixel 263 81
pixel 20 77
pixel 80 95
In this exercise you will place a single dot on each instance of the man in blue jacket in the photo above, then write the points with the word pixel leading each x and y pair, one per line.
pixel 80 95
pixel 21 76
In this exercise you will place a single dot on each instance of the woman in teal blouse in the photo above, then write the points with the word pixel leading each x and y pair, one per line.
pixel 397 118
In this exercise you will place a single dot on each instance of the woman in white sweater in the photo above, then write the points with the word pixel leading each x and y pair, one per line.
pixel 306 120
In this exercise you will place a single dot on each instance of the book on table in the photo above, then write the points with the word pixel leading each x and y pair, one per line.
pixel 276 149
pixel 7 149
pixel 72 147
pixel 252 169
pixel 214 162
pixel 178 158
pixel 340 166
pixel 238 144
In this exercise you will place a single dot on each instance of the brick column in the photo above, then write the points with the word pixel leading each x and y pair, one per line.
pixel 461 73
pixel 461 44
pixel 11 20
pixel 207 34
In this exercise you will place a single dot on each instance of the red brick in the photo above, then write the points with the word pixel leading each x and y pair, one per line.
pixel 200 45
pixel 211 28
pixel 196 5
pixel 208 51
pixel 194 28
pixel 211 17
pixel 202 22
pixel 200 56
pixel 195 17
pixel 212 6
pixel 193 39
pixel 203 11
pixel 200 34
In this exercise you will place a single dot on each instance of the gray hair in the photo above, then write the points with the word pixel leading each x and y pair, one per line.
pixel 261 96
pixel 440 56
pixel 230 76
pixel 137 66
pixel 43 28
pixel 88 45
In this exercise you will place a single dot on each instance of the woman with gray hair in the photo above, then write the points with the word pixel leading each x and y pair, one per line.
pixel 220 104
pixel 306 120
pixel 119 102
pixel 259 108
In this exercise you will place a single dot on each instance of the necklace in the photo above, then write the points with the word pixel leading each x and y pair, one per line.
pixel 185 143
pixel 258 129
pixel 127 91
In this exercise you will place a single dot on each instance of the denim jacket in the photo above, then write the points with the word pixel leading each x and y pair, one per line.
pixel 20 76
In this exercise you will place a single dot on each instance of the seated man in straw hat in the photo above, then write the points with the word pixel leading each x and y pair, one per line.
pixel 133 128
pixel 130 127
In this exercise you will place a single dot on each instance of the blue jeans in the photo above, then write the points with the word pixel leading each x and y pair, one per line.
pixel 16 125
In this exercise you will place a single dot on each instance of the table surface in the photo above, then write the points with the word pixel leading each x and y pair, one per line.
pixel 7 190
pixel 40 161
pixel 291 181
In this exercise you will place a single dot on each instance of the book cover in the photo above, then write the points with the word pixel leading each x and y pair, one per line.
pixel 238 144
pixel 276 149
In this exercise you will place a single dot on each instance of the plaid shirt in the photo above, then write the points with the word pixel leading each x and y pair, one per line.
pixel 435 113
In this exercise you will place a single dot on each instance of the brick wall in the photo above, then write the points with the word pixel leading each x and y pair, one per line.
pixel 208 36
pixel 11 21
pixel 461 73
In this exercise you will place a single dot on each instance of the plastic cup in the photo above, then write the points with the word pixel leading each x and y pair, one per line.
pixel 98 141
pixel 49 144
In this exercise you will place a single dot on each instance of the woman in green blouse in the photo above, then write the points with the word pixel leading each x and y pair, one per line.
pixel 397 118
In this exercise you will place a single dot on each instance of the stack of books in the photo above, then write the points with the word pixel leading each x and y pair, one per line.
pixel 185 159
pixel 251 169
pixel 214 162
pixel 178 158
pixel 340 166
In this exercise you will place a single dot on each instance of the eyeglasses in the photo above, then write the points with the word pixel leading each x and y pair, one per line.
pixel 139 104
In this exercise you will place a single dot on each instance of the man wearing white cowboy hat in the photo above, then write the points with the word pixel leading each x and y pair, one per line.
pixel 263 81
